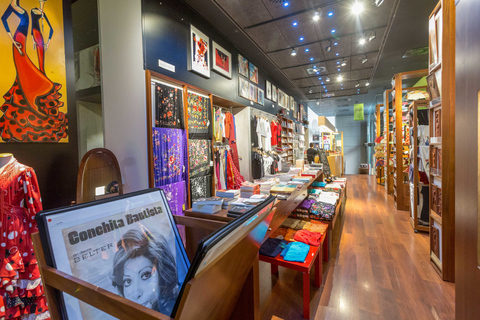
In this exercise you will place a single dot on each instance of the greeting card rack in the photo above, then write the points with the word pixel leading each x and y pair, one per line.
pixel 441 86
pixel 401 188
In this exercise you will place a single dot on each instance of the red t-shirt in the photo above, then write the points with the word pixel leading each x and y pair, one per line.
pixel 274 130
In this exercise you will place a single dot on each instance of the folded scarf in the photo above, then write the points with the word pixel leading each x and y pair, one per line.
pixel 296 252
pixel 308 237
pixel 317 226
pixel 290 235
pixel 300 225
pixel 290 223
pixel 272 247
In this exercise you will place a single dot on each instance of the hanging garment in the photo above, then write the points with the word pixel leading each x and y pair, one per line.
pixel 223 180
pixel 218 126
pixel 232 142
pixel 259 132
pixel 237 177
pixel 176 194
pixel 199 155
pixel 198 117
pixel 257 165
pixel 168 107
pixel 268 137
pixel 21 291
pixel 218 184
pixel 169 156
pixel 253 131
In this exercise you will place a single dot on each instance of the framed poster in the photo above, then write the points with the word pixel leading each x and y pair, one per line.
pixel 432 89
pixel 253 73
pixel 199 53
pixel 34 80
pixel 292 104
pixel 274 93
pixel 253 92
pixel 243 88
pixel 242 66
pixel 222 60
pixel 118 244
pixel 268 89
pixel 432 35
pixel 281 99
pixel 261 97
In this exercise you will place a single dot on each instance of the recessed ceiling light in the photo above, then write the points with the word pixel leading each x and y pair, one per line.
pixel 357 7
pixel 316 16
pixel 320 78
pixel 341 84
pixel 324 87
pixel 340 78
pixel 338 62
pixel 336 54
pixel 335 43
pixel 362 41
pixel 338 69
pixel 330 14
pixel 311 59
pixel 314 67
pixel 342 88
pixel 333 30
pixel 306 50
pixel 321 83
pixel 301 38
pixel 295 23
pixel 286 4
pixel 294 52
pixel 318 72
pixel 326 90
pixel 318 102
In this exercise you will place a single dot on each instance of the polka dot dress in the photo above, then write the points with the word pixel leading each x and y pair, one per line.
pixel 21 290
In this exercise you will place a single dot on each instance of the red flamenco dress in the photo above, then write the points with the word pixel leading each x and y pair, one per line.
pixel 21 290
pixel 31 108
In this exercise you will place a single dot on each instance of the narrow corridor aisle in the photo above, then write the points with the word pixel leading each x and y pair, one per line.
pixel 379 268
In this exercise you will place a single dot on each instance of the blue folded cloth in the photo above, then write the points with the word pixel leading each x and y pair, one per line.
pixel 319 184
pixel 272 247
pixel 295 252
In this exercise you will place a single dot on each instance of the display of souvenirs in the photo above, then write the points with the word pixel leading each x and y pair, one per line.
pixel 198 117
pixel 438 123
pixel 168 107
pixel 169 156
pixel 201 187
pixel 200 156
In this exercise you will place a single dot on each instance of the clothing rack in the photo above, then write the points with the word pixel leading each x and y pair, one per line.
pixel 267 115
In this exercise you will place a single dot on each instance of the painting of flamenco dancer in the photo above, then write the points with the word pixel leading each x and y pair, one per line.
pixel 199 53
pixel 222 60
pixel 32 58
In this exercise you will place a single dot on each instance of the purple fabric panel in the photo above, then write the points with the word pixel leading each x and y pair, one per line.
pixel 176 194
pixel 169 156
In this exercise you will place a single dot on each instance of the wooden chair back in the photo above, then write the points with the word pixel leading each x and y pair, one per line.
pixel 98 168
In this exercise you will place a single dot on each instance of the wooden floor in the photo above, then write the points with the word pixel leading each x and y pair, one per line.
pixel 379 268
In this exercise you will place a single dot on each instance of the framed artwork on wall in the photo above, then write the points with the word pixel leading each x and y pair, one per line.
pixel 253 73
pixel 432 89
pixel 243 88
pixel 242 66
pixel 34 79
pixel 268 89
pixel 281 99
pixel 199 53
pixel 261 96
pixel 274 93
pixel 292 104
pixel 222 60
pixel 253 92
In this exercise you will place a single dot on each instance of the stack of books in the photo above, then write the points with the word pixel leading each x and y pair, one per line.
pixel 303 179
pixel 227 193
pixel 237 211
pixel 295 171
pixel 227 203
pixel 283 189
pixel 310 173
pixel 266 186
pixel 286 177
pixel 208 205
pixel 248 189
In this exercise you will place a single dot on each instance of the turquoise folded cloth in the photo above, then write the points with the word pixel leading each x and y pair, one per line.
pixel 319 184
pixel 295 252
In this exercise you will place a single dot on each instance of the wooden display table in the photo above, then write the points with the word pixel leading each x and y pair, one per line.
pixel 336 164
pixel 313 256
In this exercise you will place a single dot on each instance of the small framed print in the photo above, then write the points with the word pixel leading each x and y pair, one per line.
pixel 253 73
pixel 253 92
pixel 281 99
pixel 243 88
pixel 242 66
pixel 222 60
pixel 268 89
pixel 199 53
pixel 261 97
pixel 274 93
pixel 433 89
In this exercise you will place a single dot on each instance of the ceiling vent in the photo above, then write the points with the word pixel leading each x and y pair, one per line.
pixel 415 52
pixel 319 69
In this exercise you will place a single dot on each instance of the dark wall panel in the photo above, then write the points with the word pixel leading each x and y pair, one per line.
pixel 166 36
pixel 56 164
pixel 467 273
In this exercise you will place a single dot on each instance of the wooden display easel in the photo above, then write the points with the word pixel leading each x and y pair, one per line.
pixel 227 289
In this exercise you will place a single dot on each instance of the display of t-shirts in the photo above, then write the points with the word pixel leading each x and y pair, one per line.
pixel 257 165
pixel 169 156
pixel 267 163
pixel 268 137
pixel 259 133
pixel 176 194
pixel 168 107
pixel 20 200
pixel 200 156
pixel 200 187
pixel 199 126
pixel 253 131
pixel 275 128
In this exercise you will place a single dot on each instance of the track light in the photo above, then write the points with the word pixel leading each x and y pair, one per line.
pixel 372 36
pixel 316 16
pixel 323 101
pixel 314 68
pixel 378 3
pixel 367 84
pixel 318 102
pixel 364 60
pixel 344 63
pixel 327 79
pixel 357 84
pixel 294 52
pixel 349 98
pixel 357 7
pixel 329 47
pixel 310 90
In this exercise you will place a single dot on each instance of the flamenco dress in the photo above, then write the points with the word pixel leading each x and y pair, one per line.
pixel 31 108
pixel 21 290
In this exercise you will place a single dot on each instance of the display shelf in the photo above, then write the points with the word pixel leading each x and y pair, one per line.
pixel 415 191
pixel 442 136
pixel 287 132
pixel 389 141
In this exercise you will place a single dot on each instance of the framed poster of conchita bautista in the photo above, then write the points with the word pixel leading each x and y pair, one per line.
pixel 119 245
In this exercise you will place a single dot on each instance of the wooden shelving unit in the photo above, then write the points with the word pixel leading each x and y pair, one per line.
pixel 414 149
pixel 379 171
pixel 401 189
pixel 442 140
pixel 388 134
pixel 287 138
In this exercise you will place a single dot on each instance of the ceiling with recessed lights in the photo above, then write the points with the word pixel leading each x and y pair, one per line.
pixel 269 30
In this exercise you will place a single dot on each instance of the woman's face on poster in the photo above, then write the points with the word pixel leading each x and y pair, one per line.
pixel 140 281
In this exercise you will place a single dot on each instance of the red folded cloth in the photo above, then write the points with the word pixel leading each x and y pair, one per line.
pixel 308 237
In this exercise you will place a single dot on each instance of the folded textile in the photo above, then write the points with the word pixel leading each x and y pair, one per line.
pixel 290 235
pixel 318 184
pixel 300 225
pixel 280 232
pixel 317 226
pixel 322 211
pixel 272 247
pixel 308 237
pixel 296 252
pixel 306 204
pixel 290 223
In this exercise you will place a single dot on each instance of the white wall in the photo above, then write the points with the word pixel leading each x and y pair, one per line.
pixel 90 127
pixel 123 88
pixel 354 136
